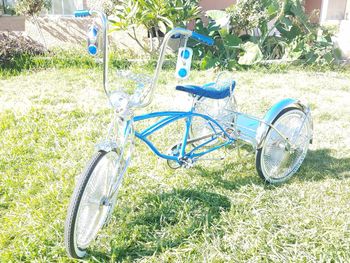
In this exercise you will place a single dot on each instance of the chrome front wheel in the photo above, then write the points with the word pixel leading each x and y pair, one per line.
pixel 93 200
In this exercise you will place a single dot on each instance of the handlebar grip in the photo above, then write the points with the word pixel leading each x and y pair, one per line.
pixel 201 38
pixel 82 13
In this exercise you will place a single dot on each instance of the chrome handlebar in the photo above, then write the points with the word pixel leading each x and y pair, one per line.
pixel 104 23
pixel 174 32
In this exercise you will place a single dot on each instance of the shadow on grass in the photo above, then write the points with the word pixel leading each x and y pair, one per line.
pixel 163 221
pixel 214 177
pixel 320 164
pixel 168 220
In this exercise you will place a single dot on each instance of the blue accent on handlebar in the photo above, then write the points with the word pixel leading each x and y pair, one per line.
pixel 201 38
pixel 176 36
pixel 92 49
pixel 82 13
pixel 204 39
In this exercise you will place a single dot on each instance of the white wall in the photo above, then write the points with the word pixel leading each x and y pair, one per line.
pixel 336 10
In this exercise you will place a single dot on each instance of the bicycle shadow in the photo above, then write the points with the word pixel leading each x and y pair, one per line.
pixel 231 175
pixel 164 221
pixel 318 165
pixel 168 220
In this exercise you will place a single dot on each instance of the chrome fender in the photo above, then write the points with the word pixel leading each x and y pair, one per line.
pixel 106 146
pixel 273 112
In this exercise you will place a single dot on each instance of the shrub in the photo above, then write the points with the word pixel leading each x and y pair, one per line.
pixel 266 29
pixel 12 46
pixel 32 7
pixel 156 16
pixel 248 15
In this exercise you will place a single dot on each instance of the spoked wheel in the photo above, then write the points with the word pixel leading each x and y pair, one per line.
pixel 93 200
pixel 275 161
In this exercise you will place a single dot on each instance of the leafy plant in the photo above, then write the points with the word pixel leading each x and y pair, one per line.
pixel 156 16
pixel 312 49
pixel 252 54
pixel 32 7
pixel 229 50
pixel 247 15
pixel 267 29
pixel 12 46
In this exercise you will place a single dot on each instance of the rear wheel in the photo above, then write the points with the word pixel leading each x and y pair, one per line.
pixel 275 162
pixel 93 200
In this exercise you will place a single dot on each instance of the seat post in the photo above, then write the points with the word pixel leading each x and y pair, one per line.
pixel 195 99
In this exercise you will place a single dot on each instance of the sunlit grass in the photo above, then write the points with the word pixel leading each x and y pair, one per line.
pixel 218 211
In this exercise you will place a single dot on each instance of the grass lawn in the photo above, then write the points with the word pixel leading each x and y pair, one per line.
pixel 218 211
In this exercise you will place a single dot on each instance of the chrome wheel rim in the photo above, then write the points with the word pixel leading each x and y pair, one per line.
pixel 278 161
pixel 95 204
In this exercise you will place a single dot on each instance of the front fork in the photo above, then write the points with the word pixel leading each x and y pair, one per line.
pixel 120 138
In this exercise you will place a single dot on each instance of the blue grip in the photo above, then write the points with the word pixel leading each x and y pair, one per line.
pixel 82 13
pixel 204 39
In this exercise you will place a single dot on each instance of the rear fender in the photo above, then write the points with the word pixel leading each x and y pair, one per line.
pixel 273 112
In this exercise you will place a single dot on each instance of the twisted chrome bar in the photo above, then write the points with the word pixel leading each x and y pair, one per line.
pixel 104 22
pixel 176 31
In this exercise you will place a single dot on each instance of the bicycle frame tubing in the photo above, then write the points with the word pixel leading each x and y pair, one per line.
pixel 172 116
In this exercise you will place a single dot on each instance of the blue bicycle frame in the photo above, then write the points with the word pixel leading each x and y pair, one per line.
pixel 168 117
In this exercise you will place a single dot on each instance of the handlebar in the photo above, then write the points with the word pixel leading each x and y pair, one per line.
pixel 174 32
pixel 203 39
pixel 82 13
pixel 199 37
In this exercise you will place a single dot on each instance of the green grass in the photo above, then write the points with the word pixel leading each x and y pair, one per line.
pixel 78 58
pixel 215 212
pixel 59 59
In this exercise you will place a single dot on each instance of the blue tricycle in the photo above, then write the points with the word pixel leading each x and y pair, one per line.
pixel 280 139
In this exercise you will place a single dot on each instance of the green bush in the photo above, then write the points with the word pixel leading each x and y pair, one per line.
pixel 156 16
pixel 31 7
pixel 13 46
pixel 252 31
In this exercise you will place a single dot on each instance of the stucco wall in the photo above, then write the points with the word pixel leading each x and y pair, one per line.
pixel 311 5
pixel 63 32
pixel 336 10
pixel 343 38
pixel 215 4
pixel 12 23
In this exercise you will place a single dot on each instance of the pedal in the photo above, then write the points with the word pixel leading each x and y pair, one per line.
pixel 174 151
pixel 187 163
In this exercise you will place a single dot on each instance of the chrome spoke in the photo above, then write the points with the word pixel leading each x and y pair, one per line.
pixel 92 212
pixel 278 160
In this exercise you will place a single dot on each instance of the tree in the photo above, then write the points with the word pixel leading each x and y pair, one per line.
pixel 156 16
pixel 33 8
